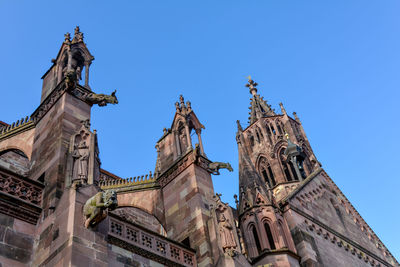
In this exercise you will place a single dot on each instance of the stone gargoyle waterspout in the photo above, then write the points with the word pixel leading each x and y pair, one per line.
pixel 96 207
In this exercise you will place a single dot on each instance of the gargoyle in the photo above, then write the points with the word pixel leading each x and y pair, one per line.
pixel 102 99
pixel 214 167
pixel 96 205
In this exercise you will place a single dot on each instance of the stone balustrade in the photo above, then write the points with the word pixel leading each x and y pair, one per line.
pixel 21 197
pixel 18 187
pixel 162 249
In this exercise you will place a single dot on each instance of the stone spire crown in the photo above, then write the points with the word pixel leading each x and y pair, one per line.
pixel 258 106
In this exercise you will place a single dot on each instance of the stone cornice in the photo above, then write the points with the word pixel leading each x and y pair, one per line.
pixel 77 90
pixel 180 165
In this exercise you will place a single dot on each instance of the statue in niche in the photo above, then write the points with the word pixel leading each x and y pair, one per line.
pixel 225 228
pixel 183 140
pixel 81 157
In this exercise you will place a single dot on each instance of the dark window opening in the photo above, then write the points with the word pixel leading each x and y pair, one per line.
pixel 251 140
pixel 269 236
pixel 264 173
pixel 293 171
pixel 279 129
pixel 271 175
pixel 273 129
pixel 256 240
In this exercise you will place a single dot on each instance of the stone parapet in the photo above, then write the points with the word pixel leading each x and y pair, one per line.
pixel 149 244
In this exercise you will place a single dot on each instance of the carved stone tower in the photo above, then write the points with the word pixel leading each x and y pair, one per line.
pixel 186 182
pixel 270 166
pixel 62 110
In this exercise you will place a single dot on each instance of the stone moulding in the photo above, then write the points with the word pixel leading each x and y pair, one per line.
pixel 78 91
pixel 20 197
pixel 148 244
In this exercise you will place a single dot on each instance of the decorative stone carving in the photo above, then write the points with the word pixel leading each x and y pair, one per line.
pixel 214 167
pixel 94 208
pixel 81 157
pixel 226 229
pixel 83 162
pixel 102 99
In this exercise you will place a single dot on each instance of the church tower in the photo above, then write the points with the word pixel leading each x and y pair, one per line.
pixel 274 156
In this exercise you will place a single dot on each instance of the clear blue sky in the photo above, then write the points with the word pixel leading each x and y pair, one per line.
pixel 336 63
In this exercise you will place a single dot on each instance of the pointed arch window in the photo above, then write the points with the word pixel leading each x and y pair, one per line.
pixel 266 172
pixel 268 133
pixel 254 234
pixel 269 235
pixel 287 166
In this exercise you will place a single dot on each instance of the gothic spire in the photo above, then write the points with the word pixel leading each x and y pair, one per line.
pixel 258 106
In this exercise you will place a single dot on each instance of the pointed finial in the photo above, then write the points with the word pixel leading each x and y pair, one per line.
pixel 78 36
pixel 252 86
pixel 67 37
pixel 182 100
pixel 177 106
pixel 282 108
pixel 239 126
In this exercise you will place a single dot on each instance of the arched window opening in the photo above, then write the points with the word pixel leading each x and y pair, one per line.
pixel 268 133
pixel 265 176
pixel 279 129
pixel 273 129
pixel 271 175
pixel 251 139
pixel 260 133
pixel 256 239
pixel 258 137
pixel 286 169
pixel 269 236
pixel 266 172
pixel 293 170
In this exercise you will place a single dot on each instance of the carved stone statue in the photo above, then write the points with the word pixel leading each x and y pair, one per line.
pixel 94 208
pixel 102 99
pixel 214 167
pixel 226 234
pixel 70 79
pixel 81 157
pixel 183 140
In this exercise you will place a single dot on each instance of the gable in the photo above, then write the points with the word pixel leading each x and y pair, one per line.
pixel 322 200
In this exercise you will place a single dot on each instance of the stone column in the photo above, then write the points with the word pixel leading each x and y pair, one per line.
pixel 198 132
pixel 87 64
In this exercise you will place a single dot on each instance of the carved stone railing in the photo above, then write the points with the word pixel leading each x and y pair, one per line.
pixel 16 127
pixel 148 179
pixel 20 197
pixel 149 244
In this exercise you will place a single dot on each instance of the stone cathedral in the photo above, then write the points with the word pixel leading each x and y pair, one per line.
pixel 58 207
